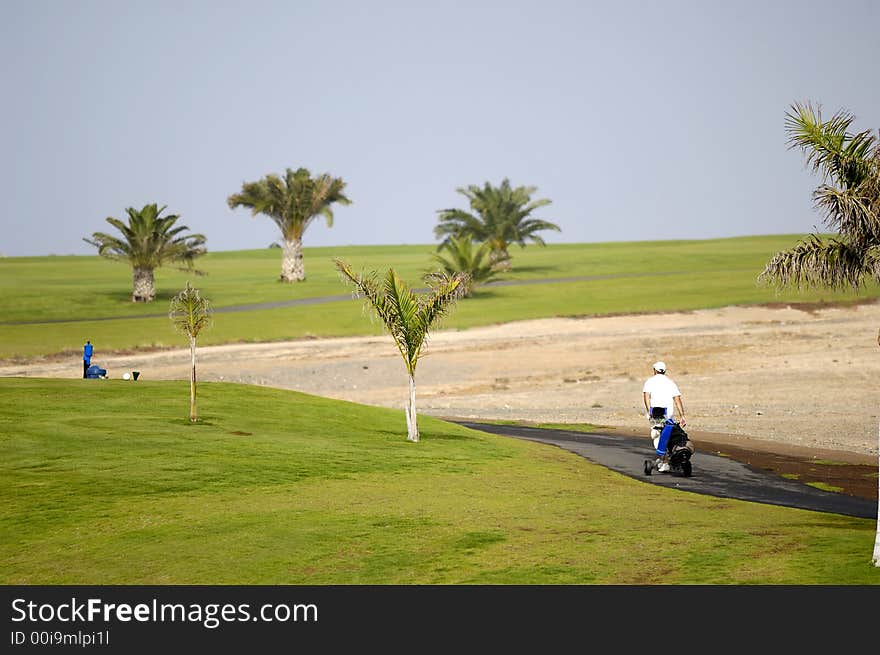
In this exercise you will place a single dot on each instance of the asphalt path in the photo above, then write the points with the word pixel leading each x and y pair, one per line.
pixel 712 475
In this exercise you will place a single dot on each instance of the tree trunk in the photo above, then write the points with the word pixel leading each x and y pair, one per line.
pixel 876 557
pixel 144 287
pixel 292 268
pixel 412 426
pixel 192 382
pixel 499 258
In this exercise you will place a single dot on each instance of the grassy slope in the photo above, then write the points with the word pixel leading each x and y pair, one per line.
pixel 675 275
pixel 106 482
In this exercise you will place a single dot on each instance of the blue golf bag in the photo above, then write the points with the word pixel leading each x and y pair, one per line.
pixel 95 372
pixel 673 442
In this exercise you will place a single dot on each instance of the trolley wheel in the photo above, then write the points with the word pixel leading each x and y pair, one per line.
pixel 649 466
pixel 686 469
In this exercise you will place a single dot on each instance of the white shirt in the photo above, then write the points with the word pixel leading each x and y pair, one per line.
pixel 661 391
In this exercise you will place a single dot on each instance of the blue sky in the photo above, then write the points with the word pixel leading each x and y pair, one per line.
pixel 639 120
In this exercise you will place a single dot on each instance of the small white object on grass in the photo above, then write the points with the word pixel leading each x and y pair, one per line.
pixel 126 376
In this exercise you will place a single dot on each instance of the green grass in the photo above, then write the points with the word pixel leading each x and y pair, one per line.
pixel 656 276
pixel 824 486
pixel 106 482
pixel 572 427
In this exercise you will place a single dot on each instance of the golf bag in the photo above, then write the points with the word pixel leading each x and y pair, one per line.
pixel 674 444
pixel 95 372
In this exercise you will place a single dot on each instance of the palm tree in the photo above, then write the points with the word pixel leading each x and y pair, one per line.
pixel 148 242
pixel 293 203
pixel 499 215
pixel 849 199
pixel 190 314
pixel 461 256
pixel 407 316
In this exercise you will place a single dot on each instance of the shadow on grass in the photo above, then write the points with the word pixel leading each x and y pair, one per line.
pixel 159 304
pixel 424 435
pixel 840 522
pixel 471 541
pixel 534 269
pixel 481 292
pixel 445 436
pixel 200 422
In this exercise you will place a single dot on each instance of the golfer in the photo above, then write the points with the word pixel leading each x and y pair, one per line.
pixel 662 394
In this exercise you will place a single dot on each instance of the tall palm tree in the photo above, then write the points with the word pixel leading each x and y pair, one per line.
pixel 849 199
pixel 499 215
pixel 461 255
pixel 190 314
pixel 293 202
pixel 148 242
pixel 407 316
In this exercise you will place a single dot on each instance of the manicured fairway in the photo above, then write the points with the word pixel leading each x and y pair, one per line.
pixel 51 303
pixel 106 482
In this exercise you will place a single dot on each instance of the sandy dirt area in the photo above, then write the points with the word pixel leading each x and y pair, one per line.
pixel 777 375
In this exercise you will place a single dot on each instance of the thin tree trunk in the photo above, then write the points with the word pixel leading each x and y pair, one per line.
pixel 192 382
pixel 144 287
pixel 412 426
pixel 876 557
pixel 292 267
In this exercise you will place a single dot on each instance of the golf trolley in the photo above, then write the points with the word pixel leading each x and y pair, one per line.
pixel 673 442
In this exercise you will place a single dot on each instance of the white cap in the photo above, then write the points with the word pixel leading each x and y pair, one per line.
pixel 660 367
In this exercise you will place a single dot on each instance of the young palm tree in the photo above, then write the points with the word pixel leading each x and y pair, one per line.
pixel 461 255
pixel 293 203
pixel 407 316
pixel 148 242
pixel 190 314
pixel 499 216
pixel 849 199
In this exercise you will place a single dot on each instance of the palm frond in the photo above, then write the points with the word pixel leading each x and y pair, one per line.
pixel 445 290
pixel 407 316
pixel 458 255
pixel 327 213
pixel 407 328
pixel 149 240
pixel 851 213
pixel 190 312
pixel 816 263
pixel 367 287
pixel 292 200
pixel 822 141
pixel 849 201
pixel 498 215
pixel 458 223
pixel 433 307
pixel 828 145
